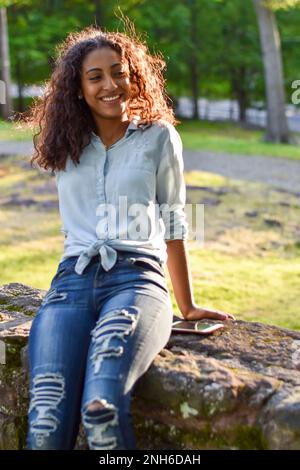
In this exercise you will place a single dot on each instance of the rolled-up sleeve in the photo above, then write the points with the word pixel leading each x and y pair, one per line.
pixel 170 187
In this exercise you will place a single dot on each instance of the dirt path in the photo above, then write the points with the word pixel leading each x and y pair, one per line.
pixel 15 148
pixel 277 172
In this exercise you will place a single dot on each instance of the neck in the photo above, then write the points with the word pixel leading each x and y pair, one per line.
pixel 111 129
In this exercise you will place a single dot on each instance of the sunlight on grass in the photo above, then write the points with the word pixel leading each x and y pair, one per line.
pixel 257 289
pixel 11 131
pixel 13 178
pixel 247 267
pixel 231 138
pixel 33 263
pixel 204 178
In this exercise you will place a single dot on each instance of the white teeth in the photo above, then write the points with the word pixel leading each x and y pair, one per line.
pixel 112 98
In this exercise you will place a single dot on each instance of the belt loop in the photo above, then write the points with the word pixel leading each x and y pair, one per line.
pixel 121 255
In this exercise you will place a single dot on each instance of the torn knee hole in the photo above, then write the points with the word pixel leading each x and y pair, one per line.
pixel 95 405
pixel 98 418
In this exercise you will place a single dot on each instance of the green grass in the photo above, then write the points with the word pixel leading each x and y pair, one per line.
pixel 245 266
pixel 228 137
pixel 31 263
pixel 11 131
pixel 253 289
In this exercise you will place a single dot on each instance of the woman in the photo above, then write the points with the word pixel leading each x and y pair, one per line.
pixel 107 133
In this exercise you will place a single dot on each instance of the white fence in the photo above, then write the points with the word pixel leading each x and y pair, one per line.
pixel 224 110
pixel 211 110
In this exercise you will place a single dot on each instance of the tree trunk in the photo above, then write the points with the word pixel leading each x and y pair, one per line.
pixel 242 102
pixel 277 129
pixel 5 65
pixel 99 14
pixel 240 91
pixel 20 87
pixel 194 83
pixel 193 58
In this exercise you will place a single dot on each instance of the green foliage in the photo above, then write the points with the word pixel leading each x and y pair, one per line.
pixel 8 3
pixel 225 52
pixel 281 4
pixel 35 29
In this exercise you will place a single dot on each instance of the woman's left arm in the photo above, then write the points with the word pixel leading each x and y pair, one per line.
pixel 180 274
pixel 171 191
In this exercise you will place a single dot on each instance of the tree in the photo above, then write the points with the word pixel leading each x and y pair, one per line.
pixel 176 33
pixel 5 64
pixel 277 129
pixel 237 56
pixel 99 14
pixel 4 55
pixel 35 30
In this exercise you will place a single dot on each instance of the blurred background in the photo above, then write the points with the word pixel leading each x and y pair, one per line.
pixel 233 79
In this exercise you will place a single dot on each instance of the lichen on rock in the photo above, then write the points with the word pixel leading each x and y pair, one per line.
pixel 236 389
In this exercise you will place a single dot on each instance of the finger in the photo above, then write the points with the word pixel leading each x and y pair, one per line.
pixel 226 316
pixel 231 316
pixel 220 316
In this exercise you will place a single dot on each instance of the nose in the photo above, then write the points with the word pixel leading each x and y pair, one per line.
pixel 109 84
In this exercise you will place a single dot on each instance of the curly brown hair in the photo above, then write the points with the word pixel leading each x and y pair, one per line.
pixel 65 123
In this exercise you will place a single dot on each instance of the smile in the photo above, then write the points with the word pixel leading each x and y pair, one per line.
pixel 113 99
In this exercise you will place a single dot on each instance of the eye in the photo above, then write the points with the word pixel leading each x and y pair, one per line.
pixel 119 74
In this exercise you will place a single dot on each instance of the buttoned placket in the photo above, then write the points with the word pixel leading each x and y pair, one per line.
pixel 108 255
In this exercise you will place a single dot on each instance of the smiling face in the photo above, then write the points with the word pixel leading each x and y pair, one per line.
pixel 103 75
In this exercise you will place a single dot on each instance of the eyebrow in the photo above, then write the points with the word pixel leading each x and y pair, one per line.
pixel 97 68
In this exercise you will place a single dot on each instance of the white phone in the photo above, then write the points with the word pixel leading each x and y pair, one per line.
pixel 200 327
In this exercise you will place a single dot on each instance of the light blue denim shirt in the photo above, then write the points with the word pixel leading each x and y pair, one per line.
pixel 130 196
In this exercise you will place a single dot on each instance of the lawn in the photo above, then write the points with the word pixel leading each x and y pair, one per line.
pixel 249 264
pixel 229 137
pixel 10 131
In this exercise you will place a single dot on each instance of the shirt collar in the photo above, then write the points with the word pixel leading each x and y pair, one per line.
pixel 133 126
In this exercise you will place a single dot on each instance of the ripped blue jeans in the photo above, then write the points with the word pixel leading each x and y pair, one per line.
pixel 92 338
